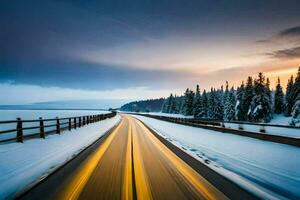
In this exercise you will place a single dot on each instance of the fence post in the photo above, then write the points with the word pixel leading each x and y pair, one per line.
pixel 79 122
pixel 57 126
pixel 42 130
pixel 19 130
pixel 87 119
pixel 240 127
pixel 70 124
pixel 75 123
pixel 262 129
pixel 83 120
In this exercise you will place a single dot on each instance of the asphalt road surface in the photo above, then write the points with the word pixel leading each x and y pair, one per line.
pixel 129 163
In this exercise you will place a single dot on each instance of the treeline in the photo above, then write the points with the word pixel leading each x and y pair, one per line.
pixel 150 105
pixel 252 101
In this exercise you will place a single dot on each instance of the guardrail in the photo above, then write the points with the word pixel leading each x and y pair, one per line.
pixel 220 126
pixel 43 127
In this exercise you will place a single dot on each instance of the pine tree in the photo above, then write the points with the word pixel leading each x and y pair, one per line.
pixel 278 99
pixel 239 112
pixel 296 87
pixel 197 103
pixel 212 104
pixel 268 90
pixel 296 113
pixel 229 109
pixel 219 108
pixel 188 102
pixel 167 107
pixel 288 97
pixel 261 109
pixel 226 93
pixel 296 98
pixel 247 96
pixel 204 111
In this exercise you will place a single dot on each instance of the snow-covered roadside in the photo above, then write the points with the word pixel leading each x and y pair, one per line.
pixel 267 169
pixel 24 163
pixel 161 114
pixel 293 132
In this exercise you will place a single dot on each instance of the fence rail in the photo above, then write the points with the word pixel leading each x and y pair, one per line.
pixel 43 127
pixel 221 127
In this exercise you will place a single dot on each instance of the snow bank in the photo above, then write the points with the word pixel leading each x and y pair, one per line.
pixel 270 170
pixel 23 163
pixel 280 119
pixel 292 132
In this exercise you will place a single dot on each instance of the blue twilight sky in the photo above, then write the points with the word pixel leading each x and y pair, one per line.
pixel 134 49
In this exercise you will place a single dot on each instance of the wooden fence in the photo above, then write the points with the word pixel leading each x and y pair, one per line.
pixel 43 127
pixel 220 126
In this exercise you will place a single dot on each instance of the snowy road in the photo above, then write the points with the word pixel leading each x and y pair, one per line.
pixel 131 163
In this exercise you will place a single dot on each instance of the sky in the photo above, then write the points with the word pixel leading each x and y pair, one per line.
pixel 140 49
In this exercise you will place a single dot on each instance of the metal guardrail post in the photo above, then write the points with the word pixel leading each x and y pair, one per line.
pixel 57 126
pixel 42 129
pixel 19 130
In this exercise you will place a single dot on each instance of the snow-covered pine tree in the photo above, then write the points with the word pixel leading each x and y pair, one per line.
pixel 188 102
pixel 197 103
pixel 261 107
pixel 296 87
pixel 219 108
pixel 247 96
pixel 295 121
pixel 226 93
pixel 268 90
pixel 175 105
pixel 165 106
pixel 288 97
pixel 211 104
pixel 239 113
pixel 204 110
pixel 278 98
pixel 229 109
pixel 296 97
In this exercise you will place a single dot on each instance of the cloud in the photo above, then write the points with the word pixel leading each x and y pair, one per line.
pixel 263 41
pixel 290 32
pixel 286 53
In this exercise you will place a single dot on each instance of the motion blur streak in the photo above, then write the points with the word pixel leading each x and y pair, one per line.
pixel 131 163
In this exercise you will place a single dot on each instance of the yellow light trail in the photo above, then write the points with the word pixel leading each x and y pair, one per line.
pixel 77 184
